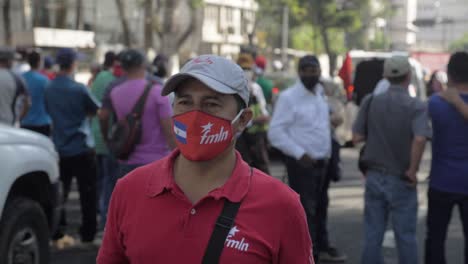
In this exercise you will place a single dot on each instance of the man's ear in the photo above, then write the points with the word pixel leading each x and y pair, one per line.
pixel 244 119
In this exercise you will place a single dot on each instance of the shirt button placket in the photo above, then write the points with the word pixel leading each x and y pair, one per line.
pixel 193 211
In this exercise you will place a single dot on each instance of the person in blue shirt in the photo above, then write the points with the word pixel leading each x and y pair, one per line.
pixel 37 119
pixel 69 104
pixel 448 184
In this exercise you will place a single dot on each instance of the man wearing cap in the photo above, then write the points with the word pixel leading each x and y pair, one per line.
pixel 265 83
pixel 395 127
pixel 156 139
pixel 69 104
pixel 166 212
pixel 300 129
pixel 47 70
pixel 37 119
pixel 13 90
pixel 252 143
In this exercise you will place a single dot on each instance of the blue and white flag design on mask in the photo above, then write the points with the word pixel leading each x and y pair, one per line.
pixel 180 131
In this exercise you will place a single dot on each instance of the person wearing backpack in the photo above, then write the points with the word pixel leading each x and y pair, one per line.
pixel 203 203
pixel 154 140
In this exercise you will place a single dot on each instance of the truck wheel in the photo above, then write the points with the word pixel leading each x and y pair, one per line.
pixel 24 233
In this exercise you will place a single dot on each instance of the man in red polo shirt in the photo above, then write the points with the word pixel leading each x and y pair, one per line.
pixel 170 211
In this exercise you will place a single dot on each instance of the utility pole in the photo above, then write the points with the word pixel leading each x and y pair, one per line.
pixel 285 36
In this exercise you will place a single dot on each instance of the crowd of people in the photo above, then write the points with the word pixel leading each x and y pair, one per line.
pixel 182 163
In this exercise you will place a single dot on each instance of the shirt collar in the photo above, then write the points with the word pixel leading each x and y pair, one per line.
pixel 235 188
pixel 398 89
pixel 319 90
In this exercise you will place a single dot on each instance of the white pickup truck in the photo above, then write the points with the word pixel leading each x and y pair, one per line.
pixel 30 196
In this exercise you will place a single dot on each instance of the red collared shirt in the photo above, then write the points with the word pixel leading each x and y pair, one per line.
pixel 150 220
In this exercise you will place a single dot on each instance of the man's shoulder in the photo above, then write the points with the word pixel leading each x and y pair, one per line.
pixel 289 92
pixel 139 179
pixel 269 188
pixel 435 99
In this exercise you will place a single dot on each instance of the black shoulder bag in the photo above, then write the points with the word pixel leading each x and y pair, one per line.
pixel 222 227
pixel 363 167
pixel 126 133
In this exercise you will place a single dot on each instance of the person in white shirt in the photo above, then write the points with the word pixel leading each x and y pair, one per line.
pixel 300 128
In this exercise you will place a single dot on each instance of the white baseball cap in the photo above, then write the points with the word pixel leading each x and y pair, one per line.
pixel 396 66
pixel 218 73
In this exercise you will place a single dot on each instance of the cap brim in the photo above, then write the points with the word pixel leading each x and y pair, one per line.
pixel 213 84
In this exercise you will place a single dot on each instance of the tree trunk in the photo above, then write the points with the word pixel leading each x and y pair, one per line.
pixel 41 13
pixel 6 22
pixel 78 12
pixel 61 17
pixel 149 24
pixel 326 41
pixel 123 19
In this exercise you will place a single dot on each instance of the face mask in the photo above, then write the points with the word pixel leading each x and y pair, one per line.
pixel 201 136
pixel 310 82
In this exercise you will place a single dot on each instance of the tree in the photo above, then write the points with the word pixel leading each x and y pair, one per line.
pixel 124 21
pixel 172 29
pixel 61 14
pixel 41 13
pixel 149 24
pixel 6 22
pixel 460 44
pixel 330 16
pixel 78 12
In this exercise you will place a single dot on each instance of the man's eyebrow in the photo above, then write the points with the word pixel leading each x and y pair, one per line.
pixel 215 97
pixel 183 95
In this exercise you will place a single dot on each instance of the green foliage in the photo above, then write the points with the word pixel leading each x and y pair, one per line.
pixel 194 4
pixel 308 38
pixel 460 44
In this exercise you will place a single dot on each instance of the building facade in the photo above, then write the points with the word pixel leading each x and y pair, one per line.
pixel 440 23
pixel 226 25
pixel 400 29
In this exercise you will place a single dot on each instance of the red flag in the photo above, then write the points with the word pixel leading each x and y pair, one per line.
pixel 345 74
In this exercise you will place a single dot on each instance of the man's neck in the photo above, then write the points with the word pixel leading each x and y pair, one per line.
pixel 65 73
pixel 136 75
pixel 197 179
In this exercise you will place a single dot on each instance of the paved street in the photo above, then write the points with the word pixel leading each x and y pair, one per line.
pixel 345 218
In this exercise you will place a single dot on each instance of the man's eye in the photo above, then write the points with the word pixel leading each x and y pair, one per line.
pixel 212 104
pixel 184 102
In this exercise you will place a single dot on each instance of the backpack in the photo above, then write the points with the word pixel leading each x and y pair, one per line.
pixel 125 134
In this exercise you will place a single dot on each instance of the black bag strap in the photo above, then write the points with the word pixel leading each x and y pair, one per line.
pixel 140 104
pixel 367 115
pixel 221 230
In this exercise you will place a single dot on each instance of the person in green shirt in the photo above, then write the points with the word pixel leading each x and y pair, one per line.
pixel 106 164
pixel 266 84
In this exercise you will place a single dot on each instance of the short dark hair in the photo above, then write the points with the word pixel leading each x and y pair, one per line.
pixel 109 59
pixel 34 59
pixel 65 66
pixel 132 59
pixel 397 79
pixel 308 61
pixel 457 67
